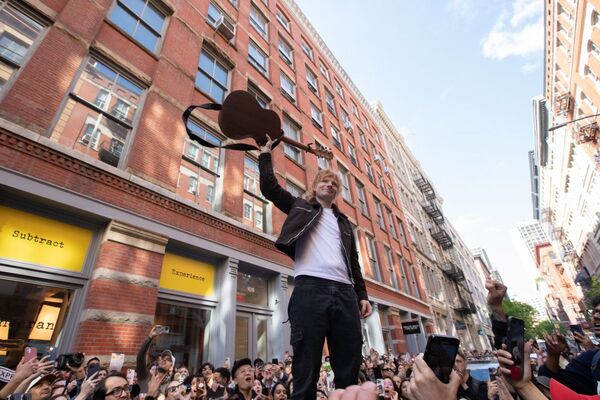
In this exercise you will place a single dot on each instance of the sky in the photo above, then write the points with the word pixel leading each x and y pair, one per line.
pixel 457 78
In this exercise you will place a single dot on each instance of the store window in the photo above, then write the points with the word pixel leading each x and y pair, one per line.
pixel 252 288
pixel 32 315
pixel 188 333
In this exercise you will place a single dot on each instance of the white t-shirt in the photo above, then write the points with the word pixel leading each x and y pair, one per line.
pixel 319 251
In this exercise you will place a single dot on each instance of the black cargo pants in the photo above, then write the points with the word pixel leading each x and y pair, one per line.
pixel 319 309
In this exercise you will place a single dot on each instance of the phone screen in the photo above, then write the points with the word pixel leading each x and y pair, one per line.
pixel 52 353
pixel 576 328
pixel 516 345
pixel 440 355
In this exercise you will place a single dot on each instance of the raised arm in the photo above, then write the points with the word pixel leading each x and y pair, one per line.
pixel 269 186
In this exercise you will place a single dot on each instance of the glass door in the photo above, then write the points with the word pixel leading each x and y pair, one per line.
pixel 251 336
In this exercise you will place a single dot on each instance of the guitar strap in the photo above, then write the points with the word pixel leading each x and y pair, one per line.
pixel 196 138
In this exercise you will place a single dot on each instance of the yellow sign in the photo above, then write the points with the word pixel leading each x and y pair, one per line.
pixel 45 323
pixel 187 275
pixel 44 241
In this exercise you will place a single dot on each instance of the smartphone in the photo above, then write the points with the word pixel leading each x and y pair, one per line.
pixel 20 396
pixel 379 384
pixel 577 328
pixel 275 361
pixel 516 345
pixel 29 354
pixel 51 353
pixel 440 354
pixel 92 369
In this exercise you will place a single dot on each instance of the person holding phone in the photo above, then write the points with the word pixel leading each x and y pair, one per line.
pixel 330 295
pixel 163 365
pixel 470 388
pixel 425 385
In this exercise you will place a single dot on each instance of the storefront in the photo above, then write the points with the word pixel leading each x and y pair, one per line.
pixel 45 257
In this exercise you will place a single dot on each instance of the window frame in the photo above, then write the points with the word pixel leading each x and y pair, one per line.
pixel 254 62
pixel 290 96
pixel 160 7
pixel 217 60
pixel 345 181
pixel 289 60
pixel 253 23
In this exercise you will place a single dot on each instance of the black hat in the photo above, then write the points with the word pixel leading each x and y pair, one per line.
pixel 238 363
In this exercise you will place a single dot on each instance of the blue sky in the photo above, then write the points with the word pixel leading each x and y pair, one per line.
pixel 457 78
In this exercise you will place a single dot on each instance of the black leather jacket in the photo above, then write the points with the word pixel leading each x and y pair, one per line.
pixel 301 216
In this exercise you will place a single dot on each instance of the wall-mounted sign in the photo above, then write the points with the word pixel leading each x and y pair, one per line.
pixel 187 275
pixel 411 327
pixel 45 323
pixel 38 240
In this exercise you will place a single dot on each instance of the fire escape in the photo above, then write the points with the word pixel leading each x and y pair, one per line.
pixel 437 231
pixel 563 104
pixel 587 133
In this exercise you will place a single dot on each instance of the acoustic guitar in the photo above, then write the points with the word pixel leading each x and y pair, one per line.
pixel 241 117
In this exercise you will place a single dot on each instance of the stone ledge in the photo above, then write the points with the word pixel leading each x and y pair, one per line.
pixel 122 233
pixel 116 317
pixel 132 279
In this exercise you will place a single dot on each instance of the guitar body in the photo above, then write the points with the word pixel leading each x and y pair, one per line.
pixel 241 117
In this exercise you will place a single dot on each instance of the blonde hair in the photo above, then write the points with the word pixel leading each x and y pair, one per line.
pixel 322 175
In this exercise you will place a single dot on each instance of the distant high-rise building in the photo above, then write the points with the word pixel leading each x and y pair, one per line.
pixel 532 234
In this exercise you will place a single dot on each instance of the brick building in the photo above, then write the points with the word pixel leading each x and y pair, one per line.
pixel 112 220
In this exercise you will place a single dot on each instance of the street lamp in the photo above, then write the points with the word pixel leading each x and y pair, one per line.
pixel 568 122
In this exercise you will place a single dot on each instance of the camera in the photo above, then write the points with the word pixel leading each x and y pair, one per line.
pixel 72 360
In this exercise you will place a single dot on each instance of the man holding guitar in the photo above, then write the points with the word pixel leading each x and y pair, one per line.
pixel 329 296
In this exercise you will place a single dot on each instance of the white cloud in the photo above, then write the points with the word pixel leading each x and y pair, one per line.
pixel 518 33
pixel 529 67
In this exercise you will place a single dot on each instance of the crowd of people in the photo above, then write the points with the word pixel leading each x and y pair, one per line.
pixel 553 372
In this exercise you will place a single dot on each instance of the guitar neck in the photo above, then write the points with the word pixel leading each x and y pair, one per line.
pixel 321 152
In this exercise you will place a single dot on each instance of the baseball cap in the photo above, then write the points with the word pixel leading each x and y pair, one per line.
pixel 40 379
pixel 560 391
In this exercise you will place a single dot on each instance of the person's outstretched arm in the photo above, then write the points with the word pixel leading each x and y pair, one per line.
pixel 269 186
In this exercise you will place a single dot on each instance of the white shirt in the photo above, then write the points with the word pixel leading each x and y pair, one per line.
pixel 319 251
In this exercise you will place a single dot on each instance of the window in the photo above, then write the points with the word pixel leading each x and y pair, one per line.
pixel 339 90
pixel 330 102
pixel 316 115
pixel 324 71
pixel 288 87
pixel 254 202
pixel 215 13
pixel 346 120
pixel 352 153
pixel 346 194
pixel 366 123
pixel 354 109
pixel 212 77
pixel 32 313
pixel 337 138
pixel 258 58
pixel 382 185
pixel 392 195
pixel 294 189
pixel 292 130
pixel 362 139
pixel 286 51
pixel 260 97
pixel 379 212
pixel 373 260
pixel 141 20
pixel 362 199
pixel 405 285
pixel 391 225
pixel 210 194
pixel 259 22
pixel 392 272
pixel 306 49
pixel 193 185
pixel 369 172
pixel 18 35
pixel 98 116
pixel 235 3
pixel 283 20
pixel 322 163
pixel 311 78
pixel 210 155
pixel 413 278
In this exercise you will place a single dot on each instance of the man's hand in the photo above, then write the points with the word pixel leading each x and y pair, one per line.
pixel 496 292
pixel 365 308
pixel 366 391
pixel 154 384
pixel 585 341
pixel 555 344
pixel 267 146
pixel 89 386
pixel 26 369
pixel 426 386
pixel 492 389
pixel 505 360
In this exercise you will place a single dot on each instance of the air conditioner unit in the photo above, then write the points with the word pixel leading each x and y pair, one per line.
pixel 348 126
pixel 225 28
pixel 386 170
pixel 377 158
